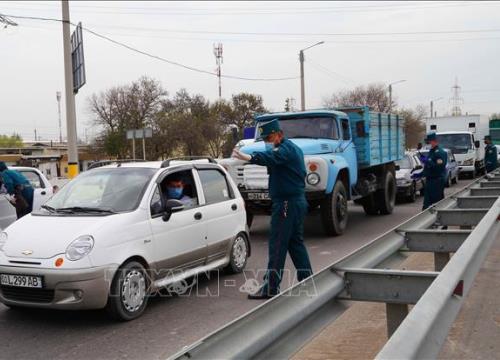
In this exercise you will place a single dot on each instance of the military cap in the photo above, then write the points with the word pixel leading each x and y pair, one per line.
pixel 268 127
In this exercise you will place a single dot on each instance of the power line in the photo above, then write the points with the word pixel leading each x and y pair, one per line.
pixel 131 48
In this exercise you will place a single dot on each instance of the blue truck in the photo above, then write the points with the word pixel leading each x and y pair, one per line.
pixel 349 155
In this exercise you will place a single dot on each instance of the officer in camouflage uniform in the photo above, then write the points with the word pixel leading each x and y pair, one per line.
pixel 285 163
pixel 490 155
pixel 434 172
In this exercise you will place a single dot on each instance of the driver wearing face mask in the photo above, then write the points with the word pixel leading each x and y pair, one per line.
pixel 175 190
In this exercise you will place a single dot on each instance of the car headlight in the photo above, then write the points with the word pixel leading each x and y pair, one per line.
pixel 80 247
pixel 313 178
pixel 3 239
pixel 468 162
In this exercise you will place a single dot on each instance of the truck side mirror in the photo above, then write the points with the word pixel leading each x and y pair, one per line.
pixel 172 206
pixel 477 144
pixel 397 167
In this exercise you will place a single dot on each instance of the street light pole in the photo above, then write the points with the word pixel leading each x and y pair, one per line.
pixel 58 97
pixel 69 96
pixel 390 92
pixel 302 80
pixel 432 106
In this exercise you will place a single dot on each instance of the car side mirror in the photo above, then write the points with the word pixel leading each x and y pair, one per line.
pixel 419 167
pixel 477 144
pixel 172 206
pixel 397 167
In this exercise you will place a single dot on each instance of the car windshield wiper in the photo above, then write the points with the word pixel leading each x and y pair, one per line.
pixel 83 209
pixel 49 208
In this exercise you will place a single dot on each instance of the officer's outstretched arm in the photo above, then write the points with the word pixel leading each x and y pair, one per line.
pixel 275 157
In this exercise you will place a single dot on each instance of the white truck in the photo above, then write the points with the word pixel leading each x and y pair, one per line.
pixel 463 136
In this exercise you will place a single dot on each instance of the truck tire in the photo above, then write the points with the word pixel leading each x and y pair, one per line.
pixel 334 212
pixel 386 197
pixel 369 205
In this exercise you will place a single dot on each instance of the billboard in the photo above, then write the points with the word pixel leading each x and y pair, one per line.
pixel 78 62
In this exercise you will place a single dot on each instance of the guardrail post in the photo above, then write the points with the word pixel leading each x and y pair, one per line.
pixel 395 314
pixel 440 260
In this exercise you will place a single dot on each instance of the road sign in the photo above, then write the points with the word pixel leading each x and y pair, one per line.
pixel 78 61
pixel 139 133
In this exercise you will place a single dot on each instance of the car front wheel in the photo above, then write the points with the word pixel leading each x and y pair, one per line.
pixel 239 255
pixel 128 296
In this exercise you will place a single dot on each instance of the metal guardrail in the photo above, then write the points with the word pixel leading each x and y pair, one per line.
pixel 465 223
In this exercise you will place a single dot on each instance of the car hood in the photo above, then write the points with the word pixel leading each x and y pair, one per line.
pixel 48 236
pixel 403 174
pixel 308 146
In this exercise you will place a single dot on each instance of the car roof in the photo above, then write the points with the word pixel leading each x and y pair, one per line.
pixel 158 164
pixel 23 168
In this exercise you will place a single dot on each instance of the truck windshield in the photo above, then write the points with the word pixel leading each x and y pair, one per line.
pixel 106 190
pixel 318 127
pixel 457 143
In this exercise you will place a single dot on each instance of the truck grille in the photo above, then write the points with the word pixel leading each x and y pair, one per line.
pixel 27 294
pixel 255 177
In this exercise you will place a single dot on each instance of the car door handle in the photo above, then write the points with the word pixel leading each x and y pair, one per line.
pixel 198 216
pixel 234 207
pixel 43 193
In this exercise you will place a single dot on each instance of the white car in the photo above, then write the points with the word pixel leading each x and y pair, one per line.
pixel 110 238
pixel 42 192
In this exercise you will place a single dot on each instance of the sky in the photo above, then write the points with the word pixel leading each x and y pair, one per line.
pixel 428 44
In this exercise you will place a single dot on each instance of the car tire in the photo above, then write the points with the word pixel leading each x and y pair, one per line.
pixel 334 213
pixel 455 180
pixel 238 256
pixel 128 295
pixel 386 197
pixel 412 196
pixel 448 181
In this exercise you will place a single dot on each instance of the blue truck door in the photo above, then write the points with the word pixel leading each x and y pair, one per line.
pixel 349 151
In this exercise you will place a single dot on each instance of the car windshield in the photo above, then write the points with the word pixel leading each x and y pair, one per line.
pixel 404 163
pixel 311 127
pixel 102 190
pixel 457 143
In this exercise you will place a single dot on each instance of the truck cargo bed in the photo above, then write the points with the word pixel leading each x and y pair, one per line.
pixel 378 137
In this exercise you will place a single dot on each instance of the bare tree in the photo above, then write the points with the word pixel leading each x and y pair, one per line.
pixel 374 95
pixel 414 125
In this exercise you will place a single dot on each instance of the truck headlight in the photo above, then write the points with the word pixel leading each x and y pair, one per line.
pixel 3 239
pixel 313 178
pixel 80 247
pixel 468 162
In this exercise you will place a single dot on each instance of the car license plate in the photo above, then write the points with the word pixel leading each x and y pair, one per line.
pixel 258 196
pixel 29 281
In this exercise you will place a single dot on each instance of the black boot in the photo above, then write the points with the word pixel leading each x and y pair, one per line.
pixel 262 294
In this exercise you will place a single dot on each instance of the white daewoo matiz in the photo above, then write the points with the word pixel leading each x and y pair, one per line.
pixel 112 236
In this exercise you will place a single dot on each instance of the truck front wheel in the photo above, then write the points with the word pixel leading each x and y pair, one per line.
pixel 334 210
pixel 386 197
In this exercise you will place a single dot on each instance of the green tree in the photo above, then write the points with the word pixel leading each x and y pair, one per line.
pixel 12 141
pixel 244 108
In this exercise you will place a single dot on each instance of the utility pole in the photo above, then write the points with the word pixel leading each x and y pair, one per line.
pixel 35 135
pixel 144 144
pixel 302 82
pixel 390 92
pixel 69 96
pixel 219 60
pixel 432 106
pixel 58 97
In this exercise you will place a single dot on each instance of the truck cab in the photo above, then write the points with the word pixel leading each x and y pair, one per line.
pixel 466 148
pixel 348 155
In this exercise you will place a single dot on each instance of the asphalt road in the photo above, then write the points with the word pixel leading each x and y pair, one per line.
pixel 171 322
